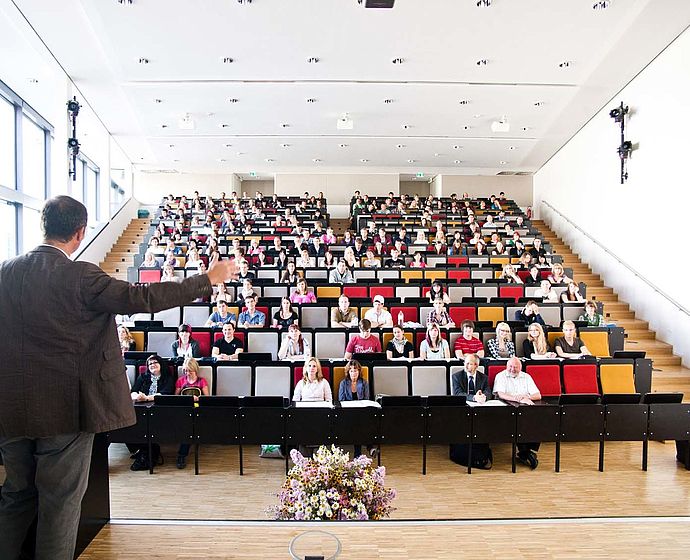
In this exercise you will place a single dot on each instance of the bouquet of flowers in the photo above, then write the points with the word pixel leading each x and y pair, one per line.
pixel 330 486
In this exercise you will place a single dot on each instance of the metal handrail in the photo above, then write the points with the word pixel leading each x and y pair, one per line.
pixel 620 261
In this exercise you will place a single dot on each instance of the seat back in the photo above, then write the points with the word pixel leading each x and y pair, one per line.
pixel 515 291
pixel 385 291
pixel 170 317
pixel 551 314
pixel 161 342
pixel 150 276
pixel 597 342
pixel 138 337
pixel 617 378
pixel 314 316
pixel 432 274
pixel 339 375
pixel 356 291
pixel 234 380
pixel 410 313
pixel 429 380
pixel 330 292
pixel 204 340
pixel 486 291
pixel 263 341
pixel 407 275
pixel 329 344
pixel 580 378
pixel 547 377
pixel 390 380
pixel 495 314
pixel 195 315
pixel 462 313
pixel 272 381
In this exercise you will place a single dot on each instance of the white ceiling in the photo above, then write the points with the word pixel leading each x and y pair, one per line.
pixel 100 42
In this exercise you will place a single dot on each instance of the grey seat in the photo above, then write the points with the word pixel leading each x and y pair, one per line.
pixel 160 342
pixel 390 380
pixel 234 380
pixel 272 381
pixel 429 380
pixel 170 317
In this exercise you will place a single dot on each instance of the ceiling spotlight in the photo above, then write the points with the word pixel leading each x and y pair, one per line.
pixel 342 145
pixel 313 60
pixel 456 161
pixel 464 102
pixel 376 3
pixel 437 155
pixel 233 100
pixel 158 101
pixel 344 122
pixel 176 161
pixel 171 145
pixel 164 126
pixel 388 101
pixel 502 162
pixel 239 153
pixel 186 123
pixel 227 60
pixel 364 160
pixel 285 145
pixel 410 161
pixel 483 3
pixel 407 126
pixel 538 104
pixel 269 160
pixel 477 116
pixel 245 2
pixel 284 125
pixel 400 146
pixel 525 128
pixel 482 62
pixel 125 2
pixel 224 125
pixel 316 160
pixel 501 126
pixel 227 145
pixel 33 80
pixel 565 64
pixel 143 60
pixel 311 100
pixel 602 5
pixel 221 160
pixel 511 147
pixel 398 60
pixel 456 147
pixel 618 114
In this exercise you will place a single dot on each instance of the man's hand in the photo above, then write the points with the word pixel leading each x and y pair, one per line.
pixel 220 271
pixel 480 397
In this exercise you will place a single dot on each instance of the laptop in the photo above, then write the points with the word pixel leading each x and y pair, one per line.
pixel 579 398
pixel 662 398
pixel 629 354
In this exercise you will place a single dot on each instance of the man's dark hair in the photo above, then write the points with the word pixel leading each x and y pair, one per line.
pixel 467 323
pixel 62 217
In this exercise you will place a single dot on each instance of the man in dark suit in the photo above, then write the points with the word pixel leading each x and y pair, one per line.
pixel 63 375
pixel 474 385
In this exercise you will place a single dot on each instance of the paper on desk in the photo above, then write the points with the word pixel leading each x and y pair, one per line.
pixel 359 404
pixel 313 404
pixel 487 403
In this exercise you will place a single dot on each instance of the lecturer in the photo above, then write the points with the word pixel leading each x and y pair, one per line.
pixel 62 375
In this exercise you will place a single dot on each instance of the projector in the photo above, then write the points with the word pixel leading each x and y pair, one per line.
pixel 186 123
pixel 377 3
pixel 500 126
pixel 345 123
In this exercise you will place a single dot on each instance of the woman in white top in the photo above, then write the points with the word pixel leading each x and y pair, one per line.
pixel 434 347
pixel 546 292
pixel 421 238
pixel 572 294
pixel 312 386
pixel 294 346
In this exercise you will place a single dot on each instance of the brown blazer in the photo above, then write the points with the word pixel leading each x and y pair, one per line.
pixel 61 368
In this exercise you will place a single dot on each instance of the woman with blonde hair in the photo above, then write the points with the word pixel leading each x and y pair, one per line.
pixel 557 275
pixel 313 386
pixel 127 342
pixel 510 275
pixel 535 346
pixel 502 346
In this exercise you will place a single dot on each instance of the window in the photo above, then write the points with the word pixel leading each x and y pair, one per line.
pixel 31 228
pixel 8 231
pixel 33 159
pixel 7 151
pixel 85 187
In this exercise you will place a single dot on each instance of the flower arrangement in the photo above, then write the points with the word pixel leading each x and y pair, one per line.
pixel 332 487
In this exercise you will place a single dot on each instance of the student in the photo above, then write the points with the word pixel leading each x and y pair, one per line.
pixel 364 343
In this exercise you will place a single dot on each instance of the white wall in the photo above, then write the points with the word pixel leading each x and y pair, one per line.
pixel 336 187
pixel 251 187
pixel 150 188
pixel 516 187
pixel 410 188
pixel 642 222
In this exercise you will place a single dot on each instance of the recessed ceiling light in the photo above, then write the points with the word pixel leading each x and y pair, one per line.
pixel 477 115
pixel 240 153
pixel 171 145
pixel 125 2
pixel 143 60
pixel 538 103
pixel 410 161
pixel 142 157
pixel 316 160
pixel 210 114
pixel 158 100
pixel 313 60
pixel 457 147
pixel 437 155
pixel 407 126
pixel 285 145
pixel 398 60
pixel 269 160
pixel 311 100
pixel 227 145
pixel 482 62
pixel 364 160
pixel 400 146
pixel 602 5
pixel 164 126
pixel 466 127
pixel 388 101
pixel 285 125
pixel 224 125
pixel 233 100
pixel 464 102
pixel 502 162
pixel 565 64
pixel 221 160
pixel 342 145
pixel 456 161
pixel 244 2
pixel 525 128
pixel 33 80
pixel 227 60
pixel 511 147
pixel 176 160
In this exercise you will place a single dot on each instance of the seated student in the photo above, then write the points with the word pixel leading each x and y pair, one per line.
pixel 350 259
pixel 294 346
pixel 228 347
pixel 439 315
pixel 437 291
pixel 302 293
pixel 417 260
pixel 593 318
pixel 285 316
pixel 127 343
pixel 557 275
pixel 513 384
pixel 434 347
pixel 546 292
pixel 399 347
pixel 246 290
pixel 221 316
pixel 290 275
pixel 502 346
pixel 185 346
pixel 251 318
pixel 220 293
pixel 343 315
pixel 395 261
pixel 510 274
pixel 313 386
pixel 244 272
pixel 474 386
pixel 341 274
pixel 304 260
pixel 316 248
pixel 150 260
pixel 191 378
pixel 572 294
pixel 378 316
pixel 329 262
pixel 371 261
pixel 359 249
pixel 467 343
pixel 534 275
pixel 535 346
pixel 569 345
pixel 355 388
pixel 364 343
pixel 537 248
pixel 156 381
pixel 529 314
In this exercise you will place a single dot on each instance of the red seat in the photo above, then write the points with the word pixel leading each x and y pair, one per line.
pixel 544 274
pixel 410 313
pixel 204 340
pixel 385 291
pixel 493 372
pixel 298 372
pixel 547 377
pixel 462 313
pixel 356 291
pixel 515 292
pixel 457 261
pixel 459 274
pixel 150 276
pixel 523 274
pixel 580 378
pixel 419 336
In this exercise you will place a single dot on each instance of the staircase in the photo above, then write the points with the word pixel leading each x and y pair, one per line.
pixel 121 255
pixel 639 337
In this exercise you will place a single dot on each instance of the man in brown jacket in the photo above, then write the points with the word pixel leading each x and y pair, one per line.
pixel 62 375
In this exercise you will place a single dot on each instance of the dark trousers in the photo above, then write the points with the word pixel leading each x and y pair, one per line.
pixel 524 449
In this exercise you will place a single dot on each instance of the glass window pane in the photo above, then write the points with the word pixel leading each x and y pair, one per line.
pixel 7 134
pixel 91 196
pixel 33 153
pixel 8 232
pixel 31 229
